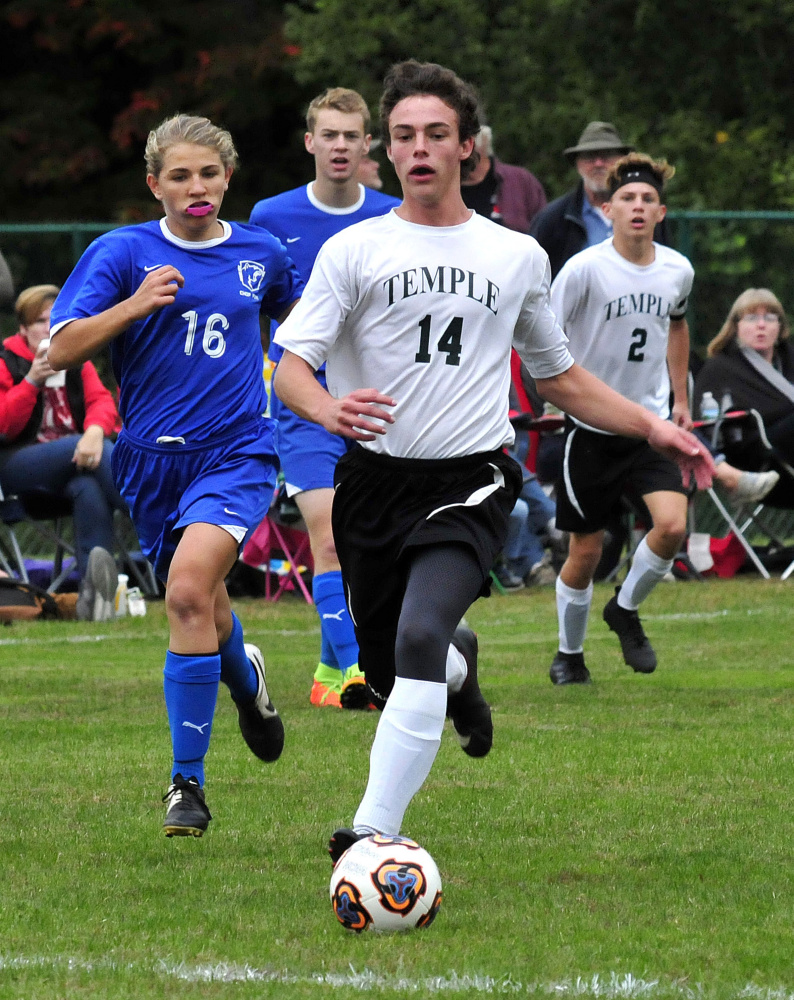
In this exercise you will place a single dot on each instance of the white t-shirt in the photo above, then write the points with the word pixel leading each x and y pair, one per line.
pixel 428 315
pixel 617 317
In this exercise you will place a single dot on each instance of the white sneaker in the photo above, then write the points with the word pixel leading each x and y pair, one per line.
pixel 754 486
pixel 542 573
pixel 96 601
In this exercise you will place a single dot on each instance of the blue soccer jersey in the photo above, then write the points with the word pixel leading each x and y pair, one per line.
pixel 192 369
pixel 303 224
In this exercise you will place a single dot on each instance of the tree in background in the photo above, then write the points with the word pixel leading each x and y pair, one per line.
pixel 707 86
pixel 83 81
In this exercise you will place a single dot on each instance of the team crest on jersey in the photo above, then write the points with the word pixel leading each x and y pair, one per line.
pixel 252 274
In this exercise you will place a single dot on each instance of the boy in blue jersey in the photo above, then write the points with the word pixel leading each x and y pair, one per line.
pixel 303 219
pixel 179 301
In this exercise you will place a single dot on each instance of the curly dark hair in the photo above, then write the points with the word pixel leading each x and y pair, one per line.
pixel 412 78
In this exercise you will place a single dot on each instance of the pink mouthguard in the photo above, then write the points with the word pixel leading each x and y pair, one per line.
pixel 199 209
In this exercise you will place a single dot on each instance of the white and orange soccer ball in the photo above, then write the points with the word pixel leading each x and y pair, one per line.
pixel 386 884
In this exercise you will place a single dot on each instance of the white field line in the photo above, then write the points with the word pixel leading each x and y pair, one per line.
pixel 620 986
pixel 314 630
pixel 57 640
pixel 488 638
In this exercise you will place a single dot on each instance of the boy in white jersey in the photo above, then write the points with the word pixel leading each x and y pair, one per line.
pixel 622 304
pixel 425 303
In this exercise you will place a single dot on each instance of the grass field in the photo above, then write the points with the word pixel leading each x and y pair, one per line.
pixel 630 838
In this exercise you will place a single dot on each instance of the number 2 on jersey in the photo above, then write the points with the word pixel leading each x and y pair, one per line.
pixel 213 342
pixel 639 336
pixel 448 342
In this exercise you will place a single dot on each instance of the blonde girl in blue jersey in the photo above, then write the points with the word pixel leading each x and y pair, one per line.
pixel 178 301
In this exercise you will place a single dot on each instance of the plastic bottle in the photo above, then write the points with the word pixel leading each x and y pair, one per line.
pixel 121 595
pixel 709 408
pixel 136 602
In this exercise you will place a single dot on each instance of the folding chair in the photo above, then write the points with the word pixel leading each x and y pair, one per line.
pixel 48 514
pixel 272 540
pixel 736 422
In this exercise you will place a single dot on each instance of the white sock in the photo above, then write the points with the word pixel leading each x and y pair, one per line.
pixel 647 569
pixel 405 745
pixel 457 671
pixel 573 610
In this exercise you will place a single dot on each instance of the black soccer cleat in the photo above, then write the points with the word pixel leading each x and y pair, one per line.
pixel 186 814
pixel 340 841
pixel 637 651
pixel 260 723
pixel 469 711
pixel 569 668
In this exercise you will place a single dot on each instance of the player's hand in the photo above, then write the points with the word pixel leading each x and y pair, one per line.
pixel 359 415
pixel 685 450
pixel 88 453
pixel 681 416
pixel 40 369
pixel 157 289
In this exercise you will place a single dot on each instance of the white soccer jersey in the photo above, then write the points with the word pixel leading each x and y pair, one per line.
pixel 428 315
pixel 617 317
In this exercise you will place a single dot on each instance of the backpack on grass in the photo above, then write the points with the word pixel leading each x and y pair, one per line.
pixel 24 601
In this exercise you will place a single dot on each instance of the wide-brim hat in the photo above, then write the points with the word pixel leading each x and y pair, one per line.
pixel 599 137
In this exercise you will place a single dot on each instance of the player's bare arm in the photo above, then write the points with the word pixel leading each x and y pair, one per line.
pixel 82 338
pixel 678 368
pixel 352 416
pixel 280 319
pixel 581 394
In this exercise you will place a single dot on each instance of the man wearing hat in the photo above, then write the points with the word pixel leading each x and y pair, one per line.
pixel 575 220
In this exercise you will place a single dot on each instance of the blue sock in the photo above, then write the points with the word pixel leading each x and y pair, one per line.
pixel 327 654
pixel 236 670
pixel 190 684
pixel 337 627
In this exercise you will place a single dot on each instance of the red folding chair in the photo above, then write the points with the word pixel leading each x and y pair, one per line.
pixel 274 541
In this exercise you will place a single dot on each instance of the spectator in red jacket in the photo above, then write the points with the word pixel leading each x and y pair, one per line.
pixel 54 429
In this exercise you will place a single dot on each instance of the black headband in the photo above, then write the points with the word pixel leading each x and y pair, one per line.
pixel 634 174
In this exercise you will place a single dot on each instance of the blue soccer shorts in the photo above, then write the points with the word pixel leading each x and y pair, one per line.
pixel 228 482
pixel 308 452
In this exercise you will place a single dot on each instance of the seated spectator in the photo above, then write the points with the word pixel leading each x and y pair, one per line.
pixel 533 540
pixel 751 360
pixel 53 438
pixel 532 537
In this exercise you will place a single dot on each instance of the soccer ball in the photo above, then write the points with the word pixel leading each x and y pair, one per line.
pixel 387 884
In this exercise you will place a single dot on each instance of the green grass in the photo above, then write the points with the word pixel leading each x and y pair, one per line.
pixel 630 838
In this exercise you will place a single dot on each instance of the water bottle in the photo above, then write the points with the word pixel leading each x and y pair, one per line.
pixel 121 595
pixel 709 408
pixel 726 403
